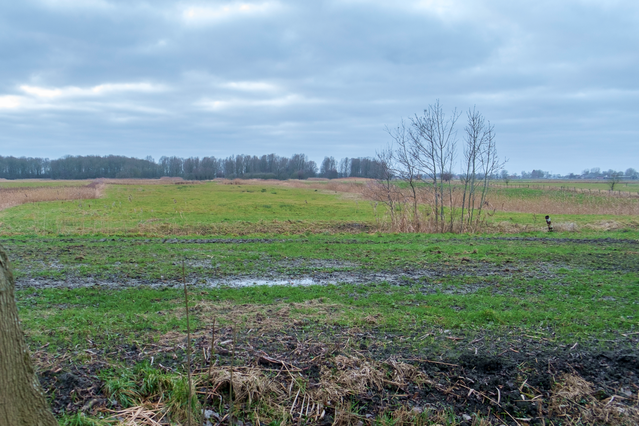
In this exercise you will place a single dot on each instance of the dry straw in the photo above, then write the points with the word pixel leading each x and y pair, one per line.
pixel 11 197
pixel 574 399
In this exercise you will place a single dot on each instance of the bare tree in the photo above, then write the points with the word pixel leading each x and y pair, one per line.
pixel 22 402
pixel 505 177
pixel 406 167
pixel 613 179
pixel 433 138
pixel 384 190
pixel 424 152
pixel 480 164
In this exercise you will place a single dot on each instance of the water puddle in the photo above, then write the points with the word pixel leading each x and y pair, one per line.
pixel 251 282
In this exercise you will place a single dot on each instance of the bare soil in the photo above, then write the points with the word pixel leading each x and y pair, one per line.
pixel 507 379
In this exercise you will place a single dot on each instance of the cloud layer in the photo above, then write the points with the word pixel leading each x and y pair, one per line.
pixel 194 78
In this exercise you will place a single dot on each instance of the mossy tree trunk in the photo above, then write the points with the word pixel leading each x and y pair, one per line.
pixel 22 402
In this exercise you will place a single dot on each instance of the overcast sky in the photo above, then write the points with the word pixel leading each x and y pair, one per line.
pixel 558 79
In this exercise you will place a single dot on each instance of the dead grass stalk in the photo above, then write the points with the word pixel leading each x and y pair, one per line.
pixel 573 398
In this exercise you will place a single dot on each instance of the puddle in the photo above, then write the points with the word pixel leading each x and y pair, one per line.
pixel 293 282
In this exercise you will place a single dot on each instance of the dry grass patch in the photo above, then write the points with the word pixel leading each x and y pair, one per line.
pixel 349 185
pixel 264 318
pixel 11 197
pixel 295 397
pixel 285 396
pixel 550 203
pixel 574 399
pixel 161 181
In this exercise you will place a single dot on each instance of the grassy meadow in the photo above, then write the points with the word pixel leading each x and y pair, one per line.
pixel 198 209
pixel 303 311
pixel 254 207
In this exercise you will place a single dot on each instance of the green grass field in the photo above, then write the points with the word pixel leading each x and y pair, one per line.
pixel 593 289
pixel 101 299
pixel 179 209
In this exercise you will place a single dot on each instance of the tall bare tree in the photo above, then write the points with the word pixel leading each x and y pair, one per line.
pixel 406 166
pixel 434 143
pixel 480 164
pixel 22 402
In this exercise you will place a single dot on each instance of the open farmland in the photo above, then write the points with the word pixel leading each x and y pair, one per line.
pixel 314 315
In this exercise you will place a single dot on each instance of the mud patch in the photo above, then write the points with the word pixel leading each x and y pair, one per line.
pixel 499 378
pixel 322 272
pixel 72 388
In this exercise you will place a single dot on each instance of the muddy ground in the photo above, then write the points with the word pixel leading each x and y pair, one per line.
pixel 317 272
pixel 322 271
pixel 506 379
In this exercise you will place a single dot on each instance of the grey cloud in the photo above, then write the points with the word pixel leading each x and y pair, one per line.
pixel 321 78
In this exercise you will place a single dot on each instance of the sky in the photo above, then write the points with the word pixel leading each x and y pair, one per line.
pixel 557 79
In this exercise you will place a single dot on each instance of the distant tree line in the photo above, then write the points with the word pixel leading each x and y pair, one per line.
pixel 594 173
pixel 269 166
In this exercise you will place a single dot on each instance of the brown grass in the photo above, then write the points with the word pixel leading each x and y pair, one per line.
pixel 554 203
pixel 290 396
pixel 262 318
pixel 162 181
pixel 11 197
pixel 318 377
pixel 574 399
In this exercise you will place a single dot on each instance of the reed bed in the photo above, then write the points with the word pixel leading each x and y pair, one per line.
pixel 564 202
pixel 574 190
pixel 11 197
pixel 162 181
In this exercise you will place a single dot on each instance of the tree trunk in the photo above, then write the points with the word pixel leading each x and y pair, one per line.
pixel 22 401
